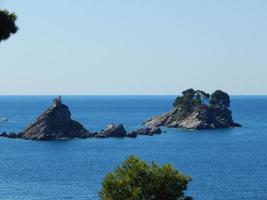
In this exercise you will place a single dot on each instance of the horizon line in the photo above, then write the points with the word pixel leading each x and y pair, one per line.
pixel 116 94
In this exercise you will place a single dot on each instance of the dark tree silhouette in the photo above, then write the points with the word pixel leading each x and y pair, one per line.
pixel 220 99
pixel 7 24
pixel 190 100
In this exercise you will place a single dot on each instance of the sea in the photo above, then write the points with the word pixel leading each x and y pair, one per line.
pixel 225 164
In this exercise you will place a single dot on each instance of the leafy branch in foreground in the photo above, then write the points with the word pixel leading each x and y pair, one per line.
pixel 7 24
pixel 136 180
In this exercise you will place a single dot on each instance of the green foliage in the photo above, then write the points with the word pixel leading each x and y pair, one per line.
pixel 189 100
pixel 136 180
pixel 7 24
pixel 197 99
pixel 220 99
pixel 202 95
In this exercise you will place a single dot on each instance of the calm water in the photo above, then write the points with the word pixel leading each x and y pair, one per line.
pixel 225 164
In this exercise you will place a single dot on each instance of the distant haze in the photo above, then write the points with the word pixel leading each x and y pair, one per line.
pixel 135 47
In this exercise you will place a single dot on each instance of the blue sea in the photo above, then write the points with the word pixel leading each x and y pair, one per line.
pixel 225 164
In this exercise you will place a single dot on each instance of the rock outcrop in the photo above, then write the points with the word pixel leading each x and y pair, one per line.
pixel 4 134
pixel 132 134
pixel 190 112
pixel 112 130
pixel 55 123
pixel 146 131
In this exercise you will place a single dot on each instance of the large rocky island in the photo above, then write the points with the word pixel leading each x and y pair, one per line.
pixel 196 109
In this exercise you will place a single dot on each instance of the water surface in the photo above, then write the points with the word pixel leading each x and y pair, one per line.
pixel 224 164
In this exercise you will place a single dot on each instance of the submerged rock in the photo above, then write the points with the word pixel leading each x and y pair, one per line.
pixel 11 135
pixel 112 130
pixel 4 134
pixel 2 119
pixel 55 123
pixel 191 111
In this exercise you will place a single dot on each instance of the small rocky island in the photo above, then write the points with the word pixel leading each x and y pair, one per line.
pixel 196 109
pixel 56 123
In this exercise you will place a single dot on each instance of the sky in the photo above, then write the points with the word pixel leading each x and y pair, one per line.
pixel 135 47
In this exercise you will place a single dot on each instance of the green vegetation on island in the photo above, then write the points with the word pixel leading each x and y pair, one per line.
pixel 195 99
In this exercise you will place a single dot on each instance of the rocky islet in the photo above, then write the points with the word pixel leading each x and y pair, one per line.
pixel 194 109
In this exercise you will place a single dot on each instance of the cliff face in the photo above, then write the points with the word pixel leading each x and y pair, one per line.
pixel 197 116
pixel 204 119
pixel 55 123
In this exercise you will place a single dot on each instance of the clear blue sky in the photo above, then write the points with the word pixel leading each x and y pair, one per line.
pixel 135 47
